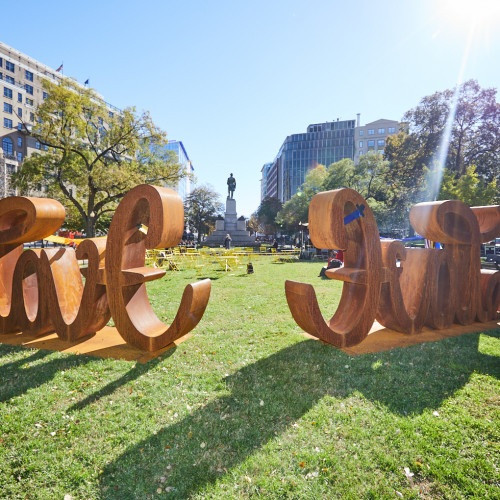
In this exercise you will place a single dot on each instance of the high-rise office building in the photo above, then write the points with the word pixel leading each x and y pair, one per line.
pixel 184 185
pixel 21 91
pixel 322 144
pixel 372 136
pixel 263 180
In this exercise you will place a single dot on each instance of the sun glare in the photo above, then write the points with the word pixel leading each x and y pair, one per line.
pixel 481 14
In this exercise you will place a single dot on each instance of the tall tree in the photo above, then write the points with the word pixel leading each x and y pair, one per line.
pixel 470 188
pixel 296 209
pixel 461 126
pixel 93 155
pixel 201 209
pixel 266 214
pixel 368 178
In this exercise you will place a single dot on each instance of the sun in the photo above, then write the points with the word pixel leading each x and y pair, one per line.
pixel 475 14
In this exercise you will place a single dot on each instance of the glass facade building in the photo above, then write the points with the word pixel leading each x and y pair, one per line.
pixel 322 144
pixel 184 186
pixel 263 181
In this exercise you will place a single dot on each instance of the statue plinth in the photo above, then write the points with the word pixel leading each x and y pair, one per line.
pixel 231 225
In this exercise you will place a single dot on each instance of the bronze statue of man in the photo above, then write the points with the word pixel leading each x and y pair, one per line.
pixel 231 186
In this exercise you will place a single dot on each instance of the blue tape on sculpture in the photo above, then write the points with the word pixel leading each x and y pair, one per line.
pixel 355 215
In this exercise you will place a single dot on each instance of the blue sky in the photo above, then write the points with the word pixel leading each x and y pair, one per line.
pixel 232 79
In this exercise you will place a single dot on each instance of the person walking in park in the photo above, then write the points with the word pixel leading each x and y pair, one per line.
pixel 227 242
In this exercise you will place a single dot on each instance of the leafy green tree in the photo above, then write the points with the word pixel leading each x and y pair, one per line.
pixel 254 225
pixel 296 209
pixel 266 214
pixel 201 209
pixel 473 139
pixel 93 155
pixel 469 188
pixel 368 178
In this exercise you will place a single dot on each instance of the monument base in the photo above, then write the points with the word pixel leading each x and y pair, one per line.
pixel 233 226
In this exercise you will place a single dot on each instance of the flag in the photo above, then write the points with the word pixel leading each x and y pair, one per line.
pixel 87 81
pixel 59 68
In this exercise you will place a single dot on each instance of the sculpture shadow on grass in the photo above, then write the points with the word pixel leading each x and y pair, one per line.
pixel 270 395
pixel 134 373
pixel 16 382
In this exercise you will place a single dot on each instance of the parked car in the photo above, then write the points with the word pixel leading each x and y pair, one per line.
pixel 494 258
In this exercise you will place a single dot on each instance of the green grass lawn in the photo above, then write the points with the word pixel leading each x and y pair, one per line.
pixel 249 407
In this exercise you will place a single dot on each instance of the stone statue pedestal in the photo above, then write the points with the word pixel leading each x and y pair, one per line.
pixel 233 226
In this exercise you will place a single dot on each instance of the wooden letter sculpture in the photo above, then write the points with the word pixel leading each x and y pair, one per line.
pixel 42 290
pixel 432 287
pixel 159 210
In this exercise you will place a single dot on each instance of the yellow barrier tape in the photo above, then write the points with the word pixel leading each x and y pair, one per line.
pixel 68 241
pixel 62 240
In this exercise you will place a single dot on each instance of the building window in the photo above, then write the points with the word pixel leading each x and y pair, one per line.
pixel 19 97
pixel 19 142
pixel 7 92
pixel 381 142
pixel 111 114
pixel 29 101
pixel 9 79
pixel 361 132
pixel 29 89
pixel 371 144
pixel 7 123
pixel 28 75
pixel 381 151
pixel 11 168
pixel 19 157
pixel 9 66
pixel 20 112
pixel 37 145
pixel 45 95
pixel 7 108
pixel 371 131
pixel 19 126
pixel 1 62
pixel 360 144
pixel 7 145
pixel 32 117
pixel 381 130
pixel 391 130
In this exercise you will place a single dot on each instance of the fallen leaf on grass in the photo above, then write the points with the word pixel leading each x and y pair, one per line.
pixel 408 473
pixel 302 464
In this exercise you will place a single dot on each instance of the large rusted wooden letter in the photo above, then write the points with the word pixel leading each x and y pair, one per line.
pixel 404 289
pixel 361 275
pixel 42 290
pixel 23 220
pixel 147 217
